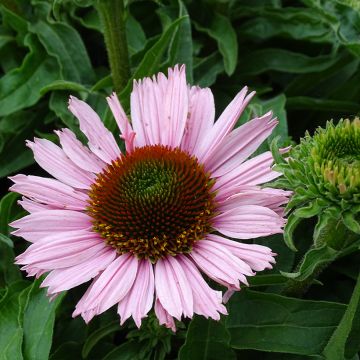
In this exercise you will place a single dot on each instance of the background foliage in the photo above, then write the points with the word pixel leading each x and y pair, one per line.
pixel 302 58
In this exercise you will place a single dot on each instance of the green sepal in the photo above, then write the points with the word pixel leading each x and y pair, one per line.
pixel 350 222
pixel 314 208
pixel 274 148
pixel 323 220
pixel 290 226
pixel 312 261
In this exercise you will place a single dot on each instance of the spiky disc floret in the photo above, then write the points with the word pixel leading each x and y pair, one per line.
pixel 153 202
pixel 323 171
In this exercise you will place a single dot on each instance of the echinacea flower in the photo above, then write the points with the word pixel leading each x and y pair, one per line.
pixel 145 224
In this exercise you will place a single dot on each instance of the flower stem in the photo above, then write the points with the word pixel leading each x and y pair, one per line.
pixel 112 15
pixel 335 235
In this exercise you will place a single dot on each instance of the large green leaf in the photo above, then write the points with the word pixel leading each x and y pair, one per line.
pixel 12 304
pixel 38 323
pixel 270 322
pixel 206 339
pixel 65 44
pixel 21 87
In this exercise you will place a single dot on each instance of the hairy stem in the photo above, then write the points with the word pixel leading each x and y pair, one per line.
pixel 113 18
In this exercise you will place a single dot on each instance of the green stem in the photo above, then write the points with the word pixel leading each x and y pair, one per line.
pixel 112 15
pixel 335 235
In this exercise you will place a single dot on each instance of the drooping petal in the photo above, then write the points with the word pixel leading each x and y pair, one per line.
pixel 200 119
pixel 78 153
pixel 111 286
pixel 172 288
pixel 38 225
pixel 49 191
pixel 164 317
pixel 258 257
pixel 64 279
pixel 249 221
pixel 138 302
pixel 122 121
pixel 240 144
pixel 207 302
pixel 159 108
pixel 53 160
pixel 226 122
pixel 220 265
pixel 101 140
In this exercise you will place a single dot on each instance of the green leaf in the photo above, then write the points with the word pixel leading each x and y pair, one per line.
pixel 311 262
pixel 7 207
pixel 206 339
pixel 64 85
pixel 97 335
pixel 39 318
pixel 335 349
pixel 260 61
pixel 63 42
pixel 351 223
pixel 135 35
pixel 21 87
pixel 207 70
pixel 221 29
pixel 5 240
pixel 130 350
pixel 12 305
pixel 269 322
pixel 266 280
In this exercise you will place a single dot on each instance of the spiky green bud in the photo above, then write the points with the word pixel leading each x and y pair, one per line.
pixel 323 171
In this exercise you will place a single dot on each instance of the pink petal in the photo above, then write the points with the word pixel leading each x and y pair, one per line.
pixel 78 153
pixel 240 144
pixel 254 195
pixel 111 286
pixel 172 288
pixel 252 172
pixel 40 224
pixel 258 257
pixel 64 279
pixel 53 160
pixel 219 264
pixel 249 221
pixel 226 122
pixel 164 317
pixel 123 122
pixel 49 191
pixel 207 302
pixel 159 108
pixel 62 250
pixel 33 206
pixel 138 302
pixel 101 140
pixel 200 119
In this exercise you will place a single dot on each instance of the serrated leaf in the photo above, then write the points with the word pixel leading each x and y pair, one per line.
pixel 206 339
pixel 269 322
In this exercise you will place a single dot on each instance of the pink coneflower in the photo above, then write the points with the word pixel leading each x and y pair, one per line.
pixel 146 224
